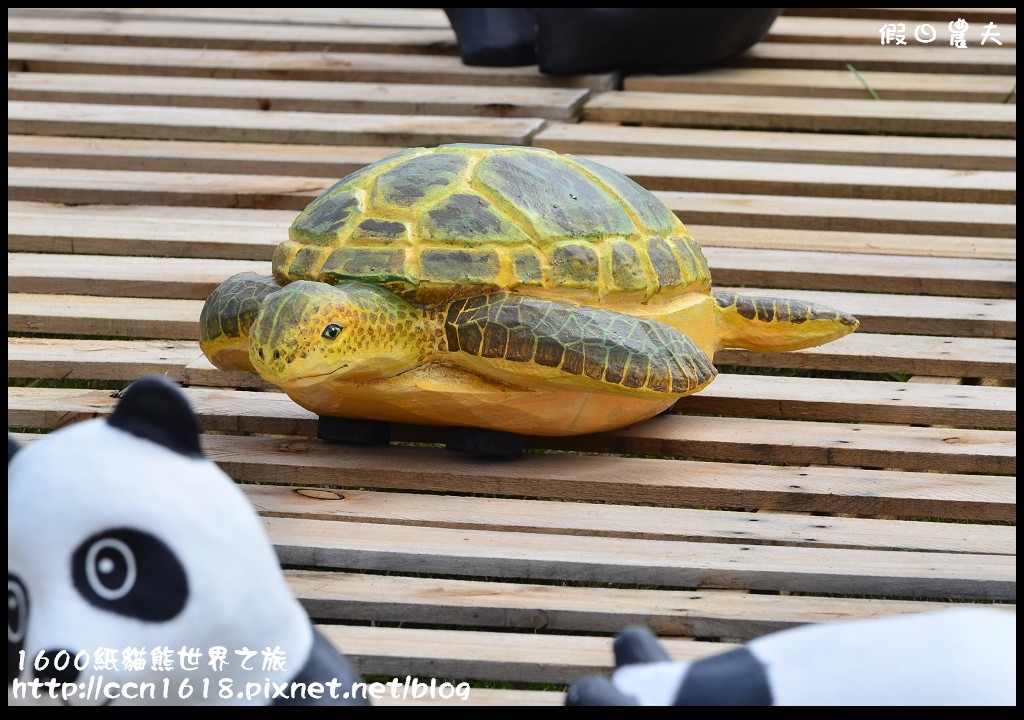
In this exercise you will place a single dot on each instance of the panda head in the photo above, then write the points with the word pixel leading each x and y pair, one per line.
pixel 124 541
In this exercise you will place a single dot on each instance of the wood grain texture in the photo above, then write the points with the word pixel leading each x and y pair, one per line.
pixel 297 95
pixel 228 35
pixel 637 522
pixel 810 180
pixel 786 486
pixel 829 84
pixel 479 553
pixel 729 615
pixel 905 117
pixel 186 123
pixel 988 60
pixel 344 17
pixel 277 65
pixel 903 151
pixel 552 659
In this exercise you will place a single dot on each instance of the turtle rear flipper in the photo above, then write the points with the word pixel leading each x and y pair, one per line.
pixel 768 324
pixel 227 317
pixel 530 340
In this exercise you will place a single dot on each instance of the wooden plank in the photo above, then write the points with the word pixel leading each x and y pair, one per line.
pixel 981 268
pixel 480 553
pixel 866 353
pixel 804 114
pixel 988 60
pixel 818 443
pixel 828 84
pixel 147 277
pixel 195 279
pixel 255 65
pixel 172 231
pixel 599 138
pixel 843 214
pixel 546 658
pixel 886 244
pixel 865 31
pixel 812 180
pixel 732 616
pixel 157 188
pixel 84 315
pixel 870 401
pixel 179 123
pixel 354 17
pixel 297 95
pixel 851 271
pixel 637 522
pixel 623 480
pixel 732 209
pixel 228 35
pixel 98 359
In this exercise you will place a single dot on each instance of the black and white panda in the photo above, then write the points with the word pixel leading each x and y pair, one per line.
pixel 961 656
pixel 122 536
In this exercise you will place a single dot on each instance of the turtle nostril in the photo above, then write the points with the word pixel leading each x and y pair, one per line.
pixel 60 666
pixel 261 353
pixel 277 354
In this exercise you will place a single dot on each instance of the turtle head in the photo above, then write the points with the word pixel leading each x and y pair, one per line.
pixel 309 331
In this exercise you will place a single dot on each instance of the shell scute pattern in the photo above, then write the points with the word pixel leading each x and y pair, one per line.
pixel 470 216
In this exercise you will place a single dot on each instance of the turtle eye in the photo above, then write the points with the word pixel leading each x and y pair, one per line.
pixel 331 331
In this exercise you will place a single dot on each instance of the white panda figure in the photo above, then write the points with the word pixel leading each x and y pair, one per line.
pixel 961 656
pixel 135 565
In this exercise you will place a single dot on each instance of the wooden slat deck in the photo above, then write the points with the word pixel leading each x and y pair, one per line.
pixel 152 152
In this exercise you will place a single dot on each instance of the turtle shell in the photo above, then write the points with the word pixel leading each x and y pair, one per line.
pixel 443 222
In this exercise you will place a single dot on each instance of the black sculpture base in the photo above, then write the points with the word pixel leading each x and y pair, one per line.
pixel 479 441
pixel 349 431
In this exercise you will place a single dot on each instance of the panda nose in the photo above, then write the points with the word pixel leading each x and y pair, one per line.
pixel 58 665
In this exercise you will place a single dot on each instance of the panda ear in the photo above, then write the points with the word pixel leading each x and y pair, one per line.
pixel 154 408
pixel 12 447
pixel 637 645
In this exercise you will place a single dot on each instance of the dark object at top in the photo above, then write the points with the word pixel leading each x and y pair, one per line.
pixel 569 41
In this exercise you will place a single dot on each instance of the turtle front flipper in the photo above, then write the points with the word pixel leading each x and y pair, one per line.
pixel 227 317
pixel 767 324
pixel 535 341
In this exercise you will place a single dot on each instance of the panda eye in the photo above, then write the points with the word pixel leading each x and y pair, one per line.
pixel 17 610
pixel 331 331
pixel 130 573
pixel 17 623
pixel 110 568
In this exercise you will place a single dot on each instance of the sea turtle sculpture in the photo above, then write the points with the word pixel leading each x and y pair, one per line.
pixel 508 289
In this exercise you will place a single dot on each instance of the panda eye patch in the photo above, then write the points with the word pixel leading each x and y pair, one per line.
pixel 331 331
pixel 130 573
pixel 17 623
pixel 17 610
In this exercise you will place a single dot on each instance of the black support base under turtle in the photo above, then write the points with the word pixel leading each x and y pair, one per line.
pixel 481 441
pixel 349 431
